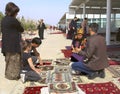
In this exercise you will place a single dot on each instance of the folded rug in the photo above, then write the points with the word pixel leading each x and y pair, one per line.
pixel 67 53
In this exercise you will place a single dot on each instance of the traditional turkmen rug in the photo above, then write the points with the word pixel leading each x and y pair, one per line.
pixel 115 70
pixel 100 88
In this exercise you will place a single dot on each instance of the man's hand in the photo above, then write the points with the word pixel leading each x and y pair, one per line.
pixel 76 50
pixel 38 70
pixel 41 63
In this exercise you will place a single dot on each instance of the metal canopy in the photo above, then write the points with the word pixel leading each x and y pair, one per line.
pixel 96 11
pixel 62 20
pixel 94 6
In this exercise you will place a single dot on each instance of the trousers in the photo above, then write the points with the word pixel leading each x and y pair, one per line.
pixel 79 66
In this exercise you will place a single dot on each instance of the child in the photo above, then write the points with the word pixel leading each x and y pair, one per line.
pixel 29 72
pixel 77 43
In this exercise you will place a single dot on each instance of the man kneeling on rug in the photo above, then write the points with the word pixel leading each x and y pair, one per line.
pixel 95 60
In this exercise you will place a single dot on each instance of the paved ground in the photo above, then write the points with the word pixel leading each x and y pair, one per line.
pixel 50 49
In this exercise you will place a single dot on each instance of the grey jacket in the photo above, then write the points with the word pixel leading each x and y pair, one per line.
pixel 95 53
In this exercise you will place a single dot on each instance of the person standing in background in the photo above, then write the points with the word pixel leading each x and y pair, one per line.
pixel 84 26
pixel 11 41
pixel 118 35
pixel 41 28
pixel 72 29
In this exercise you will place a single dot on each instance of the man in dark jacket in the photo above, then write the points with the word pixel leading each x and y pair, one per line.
pixel 95 55
pixel 11 41
pixel 72 29
pixel 41 28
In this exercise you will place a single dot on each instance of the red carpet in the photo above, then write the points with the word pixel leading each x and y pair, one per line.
pixel 100 88
pixel 111 62
pixel 57 33
pixel 0 44
pixel 67 53
pixel 33 90
pixel 44 63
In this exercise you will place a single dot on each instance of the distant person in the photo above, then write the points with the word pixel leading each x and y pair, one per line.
pixel 118 35
pixel 29 72
pixel 41 28
pixel 95 55
pixel 11 41
pixel 72 29
pixel 84 26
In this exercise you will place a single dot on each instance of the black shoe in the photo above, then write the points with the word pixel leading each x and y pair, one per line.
pixel 93 75
pixel 101 73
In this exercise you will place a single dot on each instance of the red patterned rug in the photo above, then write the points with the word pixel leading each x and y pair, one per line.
pixel 100 88
pixel 46 62
pixel 67 53
pixel 33 90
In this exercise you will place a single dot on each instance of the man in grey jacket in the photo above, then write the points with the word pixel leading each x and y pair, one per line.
pixel 95 56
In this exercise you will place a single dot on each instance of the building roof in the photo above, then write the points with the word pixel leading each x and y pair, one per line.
pixel 94 6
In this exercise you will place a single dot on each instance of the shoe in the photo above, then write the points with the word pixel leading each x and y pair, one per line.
pixel 42 81
pixel 78 72
pixel 22 78
pixel 73 72
pixel 101 73
pixel 93 75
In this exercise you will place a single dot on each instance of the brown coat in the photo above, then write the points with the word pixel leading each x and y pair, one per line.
pixel 95 53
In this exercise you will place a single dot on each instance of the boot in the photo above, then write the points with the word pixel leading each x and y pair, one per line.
pixel 93 75
pixel 101 73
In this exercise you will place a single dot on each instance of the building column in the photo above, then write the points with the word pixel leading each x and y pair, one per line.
pixel 114 21
pixel 84 13
pixel 108 22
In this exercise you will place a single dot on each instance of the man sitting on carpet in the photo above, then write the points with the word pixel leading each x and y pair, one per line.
pixel 95 60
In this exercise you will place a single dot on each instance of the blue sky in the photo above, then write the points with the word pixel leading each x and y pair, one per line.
pixel 50 10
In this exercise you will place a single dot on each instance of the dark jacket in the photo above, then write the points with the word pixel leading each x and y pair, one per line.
pixel 11 35
pixel 42 27
pixel 95 53
pixel 73 24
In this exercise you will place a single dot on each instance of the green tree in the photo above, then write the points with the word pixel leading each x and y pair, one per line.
pixel 1 16
pixel 28 25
